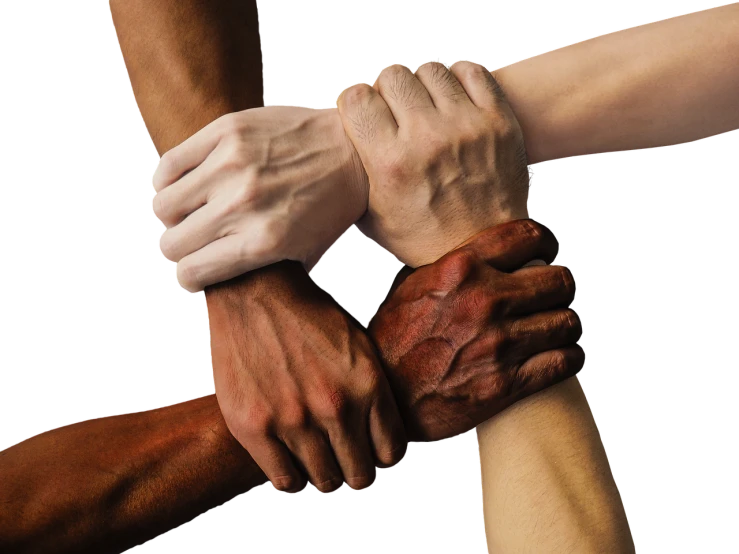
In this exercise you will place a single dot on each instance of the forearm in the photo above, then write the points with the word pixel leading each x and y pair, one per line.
pixel 189 61
pixel 547 485
pixel 109 484
pixel 665 83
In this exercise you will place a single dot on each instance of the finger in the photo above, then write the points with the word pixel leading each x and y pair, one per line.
pixel 353 452
pixel 200 228
pixel 540 332
pixel 366 117
pixel 224 259
pixel 548 368
pixel 313 451
pixel 188 155
pixel 479 84
pixel 386 429
pixel 275 460
pixel 442 86
pixel 175 202
pixel 540 288
pixel 510 246
pixel 402 92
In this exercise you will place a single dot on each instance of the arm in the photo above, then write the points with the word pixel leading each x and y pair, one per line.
pixel 665 83
pixel 109 484
pixel 546 482
pixel 321 398
pixel 106 485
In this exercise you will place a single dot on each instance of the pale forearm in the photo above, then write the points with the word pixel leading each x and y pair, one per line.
pixel 547 485
pixel 106 485
pixel 665 83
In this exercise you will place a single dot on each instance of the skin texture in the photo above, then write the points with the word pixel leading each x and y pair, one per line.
pixel 638 88
pixel 279 406
pixel 506 339
pixel 665 83
pixel 568 500
pixel 181 57
pixel 253 189
pixel 444 156
pixel 106 485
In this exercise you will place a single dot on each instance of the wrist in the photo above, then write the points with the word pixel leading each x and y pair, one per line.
pixel 355 175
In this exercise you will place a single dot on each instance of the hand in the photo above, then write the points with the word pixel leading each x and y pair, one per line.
pixel 254 188
pixel 444 155
pixel 299 383
pixel 469 335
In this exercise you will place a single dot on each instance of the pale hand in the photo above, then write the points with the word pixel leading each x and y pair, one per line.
pixel 444 155
pixel 254 188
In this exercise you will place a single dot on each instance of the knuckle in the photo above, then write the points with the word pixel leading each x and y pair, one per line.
pixel 458 265
pixel 161 208
pixel 230 125
pixel 294 418
pixel 335 408
pixel 478 302
pixel 357 95
pixel 572 324
pixel 393 170
pixel 499 343
pixel 498 306
pixel 167 169
pixel 169 247
pixel 468 69
pixel 189 276
pixel 568 281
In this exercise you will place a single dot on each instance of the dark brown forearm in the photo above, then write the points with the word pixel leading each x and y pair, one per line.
pixel 189 61
pixel 106 485
pixel 109 484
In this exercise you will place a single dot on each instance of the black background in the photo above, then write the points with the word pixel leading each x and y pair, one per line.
pixel 658 301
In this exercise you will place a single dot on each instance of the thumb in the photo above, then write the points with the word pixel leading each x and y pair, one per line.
pixel 511 245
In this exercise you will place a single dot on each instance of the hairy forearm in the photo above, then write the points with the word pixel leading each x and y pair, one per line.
pixel 547 485
pixel 109 484
pixel 669 82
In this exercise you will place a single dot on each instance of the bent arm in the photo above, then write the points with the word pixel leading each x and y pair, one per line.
pixel 669 82
pixel 106 485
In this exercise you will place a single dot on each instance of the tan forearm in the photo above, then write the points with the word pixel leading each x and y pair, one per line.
pixel 665 83
pixel 108 484
pixel 547 485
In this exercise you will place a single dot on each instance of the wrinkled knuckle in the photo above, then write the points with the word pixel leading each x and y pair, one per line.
pixel 458 265
pixel 168 168
pixel 479 302
pixel 432 69
pixel 335 408
pixel 161 208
